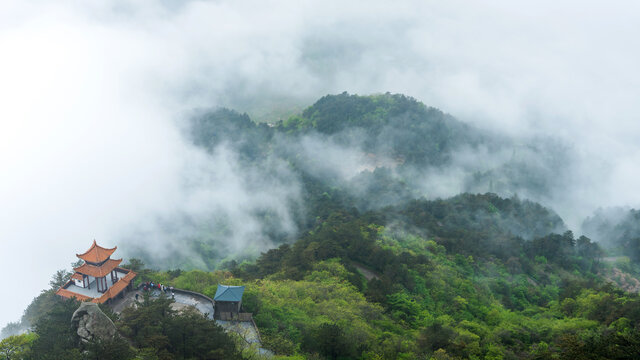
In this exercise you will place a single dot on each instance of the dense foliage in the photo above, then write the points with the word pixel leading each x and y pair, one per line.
pixel 422 301
pixel 433 293
pixel 390 124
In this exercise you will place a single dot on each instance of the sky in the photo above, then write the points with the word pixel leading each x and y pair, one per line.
pixel 94 96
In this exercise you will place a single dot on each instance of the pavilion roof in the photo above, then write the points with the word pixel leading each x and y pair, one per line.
pixel 229 293
pixel 116 289
pixel 98 271
pixel 70 294
pixel 96 253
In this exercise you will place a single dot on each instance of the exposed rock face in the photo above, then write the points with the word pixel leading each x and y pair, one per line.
pixel 624 280
pixel 92 323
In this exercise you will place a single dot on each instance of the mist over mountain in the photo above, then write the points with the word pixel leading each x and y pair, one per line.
pixel 345 151
pixel 99 137
pixel 616 228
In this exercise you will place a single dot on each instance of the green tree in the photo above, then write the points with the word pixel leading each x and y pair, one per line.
pixel 57 339
pixel 59 278
pixel 328 340
pixel 135 264
pixel 185 335
pixel 16 347
pixel 113 349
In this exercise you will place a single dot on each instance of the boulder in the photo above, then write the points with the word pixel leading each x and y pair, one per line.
pixel 92 323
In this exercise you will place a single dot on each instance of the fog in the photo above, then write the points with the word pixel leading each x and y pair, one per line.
pixel 94 96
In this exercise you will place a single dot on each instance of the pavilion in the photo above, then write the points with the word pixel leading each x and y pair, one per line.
pixel 99 279
pixel 228 302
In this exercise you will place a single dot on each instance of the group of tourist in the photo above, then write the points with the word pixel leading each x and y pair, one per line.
pixel 150 286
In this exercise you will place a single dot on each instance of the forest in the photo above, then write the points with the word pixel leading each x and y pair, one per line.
pixel 380 266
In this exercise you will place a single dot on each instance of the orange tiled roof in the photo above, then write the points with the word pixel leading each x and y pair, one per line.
pixel 130 275
pixel 116 289
pixel 96 253
pixel 98 271
pixel 70 294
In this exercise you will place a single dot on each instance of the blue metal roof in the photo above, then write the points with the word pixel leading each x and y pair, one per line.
pixel 229 293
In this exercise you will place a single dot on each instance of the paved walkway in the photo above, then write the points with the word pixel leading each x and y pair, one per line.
pixel 247 331
pixel 120 304
pixel 186 300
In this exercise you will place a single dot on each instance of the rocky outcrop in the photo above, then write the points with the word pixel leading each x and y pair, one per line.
pixel 624 280
pixel 92 323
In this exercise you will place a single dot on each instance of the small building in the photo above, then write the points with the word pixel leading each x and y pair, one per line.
pixel 99 279
pixel 228 302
